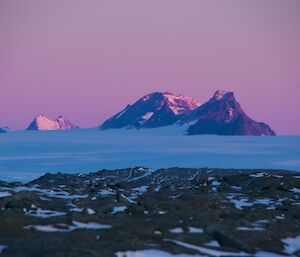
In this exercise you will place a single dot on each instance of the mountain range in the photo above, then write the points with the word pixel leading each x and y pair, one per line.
pixel 220 115
pixel 41 122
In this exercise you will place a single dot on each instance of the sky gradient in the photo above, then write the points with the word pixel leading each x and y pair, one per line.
pixel 86 60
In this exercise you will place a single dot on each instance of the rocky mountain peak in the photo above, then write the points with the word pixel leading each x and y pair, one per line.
pixel 222 95
pixel 153 110
pixel 223 115
pixel 41 122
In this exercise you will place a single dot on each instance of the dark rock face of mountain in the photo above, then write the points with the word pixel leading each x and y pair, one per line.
pixel 153 110
pixel 223 115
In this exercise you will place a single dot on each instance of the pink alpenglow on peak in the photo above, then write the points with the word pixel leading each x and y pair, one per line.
pixel 153 110
pixel 41 122
pixel 180 104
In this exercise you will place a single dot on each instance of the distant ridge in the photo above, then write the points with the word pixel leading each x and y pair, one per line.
pixel 153 110
pixel 41 122
pixel 221 115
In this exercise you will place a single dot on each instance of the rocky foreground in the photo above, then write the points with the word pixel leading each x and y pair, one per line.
pixel 140 212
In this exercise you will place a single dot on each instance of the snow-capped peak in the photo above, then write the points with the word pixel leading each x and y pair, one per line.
pixel 41 122
pixel 44 123
pixel 180 104
pixel 152 110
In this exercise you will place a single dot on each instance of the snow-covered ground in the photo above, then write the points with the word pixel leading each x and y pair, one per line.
pixel 25 155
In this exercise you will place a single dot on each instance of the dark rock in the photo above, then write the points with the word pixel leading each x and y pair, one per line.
pixel 243 210
pixel 223 115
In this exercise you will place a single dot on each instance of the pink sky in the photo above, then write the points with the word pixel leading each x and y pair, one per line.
pixel 87 59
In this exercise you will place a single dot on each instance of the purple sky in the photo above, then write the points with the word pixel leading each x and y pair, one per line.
pixel 87 59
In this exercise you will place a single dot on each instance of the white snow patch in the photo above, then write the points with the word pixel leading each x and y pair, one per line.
pixel 146 174
pixel 180 104
pixel 2 247
pixel 156 189
pixel 240 203
pixel 68 228
pixel 267 254
pixel 258 175
pixel 280 217
pixel 117 209
pixel 291 244
pixel 90 211
pixel 295 190
pixel 212 243
pixel 46 192
pixel 130 199
pixel 141 189
pixel 76 209
pixel 40 213
pixel 230 113
pixel 262 222
pixel 215 183
pixel 265 201
pixel 250 229
pixel 51 228
pixel 162 212
pixel 5 194
pixel 152 253
pixel 195 230
pixel 91 225
pixel 208 251
pixel 236 187
pixel 176 230
pixel 210 178
pixel 106 193
pixel 174 196
pixel 277 176
pixel 147 116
